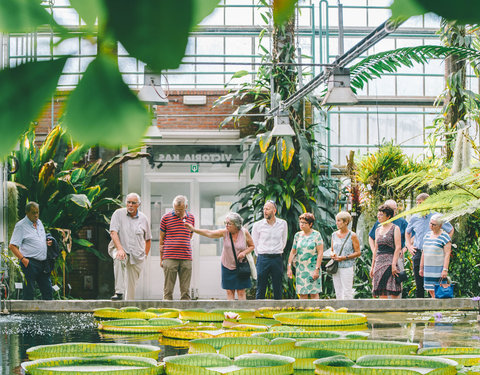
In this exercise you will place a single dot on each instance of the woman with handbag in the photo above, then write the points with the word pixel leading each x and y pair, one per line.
pixel 237 244
pixel 345 249
pixel 385 256
pixel 308 247
pixel 437 247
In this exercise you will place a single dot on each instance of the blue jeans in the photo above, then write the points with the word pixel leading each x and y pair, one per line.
pixel 37 272
pixel 269 265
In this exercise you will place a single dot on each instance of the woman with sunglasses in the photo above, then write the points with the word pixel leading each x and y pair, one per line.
pixel 437 247
pixel 243 244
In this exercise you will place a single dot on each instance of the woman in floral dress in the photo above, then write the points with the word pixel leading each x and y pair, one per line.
pixel 308 249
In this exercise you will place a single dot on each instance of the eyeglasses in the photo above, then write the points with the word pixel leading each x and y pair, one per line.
pixel 433 224
pixel 228 223
pixel 302 222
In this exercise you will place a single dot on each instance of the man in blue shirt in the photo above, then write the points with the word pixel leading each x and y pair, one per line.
pixel 29 245
pixel 417 228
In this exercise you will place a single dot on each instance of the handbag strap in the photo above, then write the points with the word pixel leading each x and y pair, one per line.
pixel 233 249
pixel 344 242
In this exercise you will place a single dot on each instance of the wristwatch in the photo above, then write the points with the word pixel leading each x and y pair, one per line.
pixel 317 268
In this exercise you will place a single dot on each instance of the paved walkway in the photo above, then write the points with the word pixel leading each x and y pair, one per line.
pixel 358 305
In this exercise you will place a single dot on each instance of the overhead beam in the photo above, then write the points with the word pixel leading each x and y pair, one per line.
pixel 382 31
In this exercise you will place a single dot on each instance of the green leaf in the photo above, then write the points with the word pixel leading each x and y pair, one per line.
pixel 82 242
pixel 20 102
pixel 463 11
pixel 23 16
pixel 80 200
pixel 89 10
pixel 103 110
pixel 406 8
pixel 74 156
pixel 201 9
pixel 134 22
pixel 77 175
pixel 305 162
pixel 283 10
pixel 240 74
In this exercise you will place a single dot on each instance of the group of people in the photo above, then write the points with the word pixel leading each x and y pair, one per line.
pixel 427 238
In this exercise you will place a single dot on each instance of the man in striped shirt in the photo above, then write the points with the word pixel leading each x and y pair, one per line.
pixel 176 248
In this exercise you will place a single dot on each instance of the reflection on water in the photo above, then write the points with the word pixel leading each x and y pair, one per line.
pixel 22 331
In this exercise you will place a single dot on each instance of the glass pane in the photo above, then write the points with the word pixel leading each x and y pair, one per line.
pixel 381 128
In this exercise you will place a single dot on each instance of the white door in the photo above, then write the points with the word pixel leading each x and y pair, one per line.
pixel 209 199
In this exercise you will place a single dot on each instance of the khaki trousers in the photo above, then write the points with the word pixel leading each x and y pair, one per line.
pixel 172 267
pixel 126 277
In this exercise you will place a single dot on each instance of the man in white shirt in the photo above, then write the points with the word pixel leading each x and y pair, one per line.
pixel 270 237
pixel 130 245
pixel 29 244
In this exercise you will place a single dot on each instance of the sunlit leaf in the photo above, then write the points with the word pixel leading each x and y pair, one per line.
pixel 283 10
pixel 23 16
pixel 269 158
pixel 285 151
pixel 89 10
pixel 103 110
pixel 20 102
pixel 239 74
pixel 82 242
pixel 201 9
pixel 80 200
pixel 166 22
pixel 49 146
pixel 264 141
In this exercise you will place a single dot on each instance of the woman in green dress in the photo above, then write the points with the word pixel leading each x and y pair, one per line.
pixel 308 249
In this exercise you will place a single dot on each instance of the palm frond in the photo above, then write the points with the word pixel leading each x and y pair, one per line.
pixel 375 66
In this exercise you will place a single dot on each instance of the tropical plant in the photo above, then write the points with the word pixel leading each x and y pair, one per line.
pixel 72 192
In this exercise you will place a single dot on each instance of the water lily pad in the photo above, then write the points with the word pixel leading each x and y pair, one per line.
pixel 267 364
pixel 85 349
pixel 325 319
pixel 93 366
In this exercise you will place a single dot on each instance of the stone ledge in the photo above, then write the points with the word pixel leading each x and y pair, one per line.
pixel 358 305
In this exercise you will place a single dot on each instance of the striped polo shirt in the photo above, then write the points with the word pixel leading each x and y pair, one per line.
pixel 177 241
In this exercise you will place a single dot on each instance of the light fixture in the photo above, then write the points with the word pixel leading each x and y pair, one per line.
pixel 152 93
pixel 339 90
pixel 153 132
pixel 281 125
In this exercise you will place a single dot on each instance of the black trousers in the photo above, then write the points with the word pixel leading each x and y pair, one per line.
pixel 269 266
pixel 37 272
pixel 420 292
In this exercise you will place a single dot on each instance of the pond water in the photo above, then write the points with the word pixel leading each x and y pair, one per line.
pixel 18 332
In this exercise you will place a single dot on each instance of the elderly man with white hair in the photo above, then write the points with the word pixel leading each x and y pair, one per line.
pixel 437 247
pixel 130 245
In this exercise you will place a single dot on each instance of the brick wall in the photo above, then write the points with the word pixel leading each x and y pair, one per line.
pixel 174 116
pixel 177 115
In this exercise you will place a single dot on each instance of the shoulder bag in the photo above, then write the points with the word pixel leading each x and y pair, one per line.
pixel 332 266
pixel 243 268
pixel 443 290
